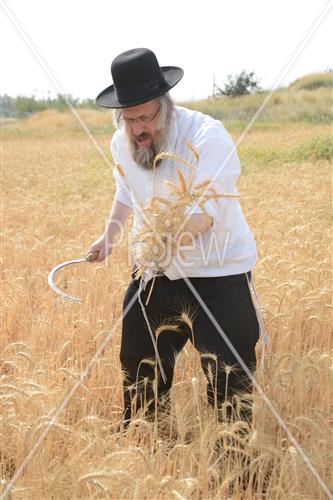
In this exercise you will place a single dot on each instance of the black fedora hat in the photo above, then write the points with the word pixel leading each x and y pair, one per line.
pixel 137 78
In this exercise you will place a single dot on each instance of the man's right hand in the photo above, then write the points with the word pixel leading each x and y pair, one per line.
pixel 118 215
pixel 102 246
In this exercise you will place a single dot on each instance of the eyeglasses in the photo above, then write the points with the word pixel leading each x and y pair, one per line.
pixel 141 119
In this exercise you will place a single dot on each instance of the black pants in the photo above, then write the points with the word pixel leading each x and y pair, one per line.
pixel 229 300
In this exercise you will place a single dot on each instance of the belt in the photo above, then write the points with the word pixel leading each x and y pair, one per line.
pixel 159 273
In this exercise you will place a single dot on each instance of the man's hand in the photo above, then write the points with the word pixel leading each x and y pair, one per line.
pixel 197 223
pixel 102 246
pixel 118 215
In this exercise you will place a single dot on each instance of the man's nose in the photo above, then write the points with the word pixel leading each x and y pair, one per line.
pixel 137 128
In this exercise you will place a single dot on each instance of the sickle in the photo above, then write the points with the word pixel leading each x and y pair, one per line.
pixel 90 257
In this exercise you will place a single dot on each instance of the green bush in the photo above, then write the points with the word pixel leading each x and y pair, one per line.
pixel 317 84
pixel 317 148
pixel 25 106
pixel 314 81
pixel 242 84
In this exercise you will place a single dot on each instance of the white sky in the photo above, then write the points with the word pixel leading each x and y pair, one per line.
pixel 79 39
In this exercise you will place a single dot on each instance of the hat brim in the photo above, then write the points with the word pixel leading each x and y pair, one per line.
pixel 108 97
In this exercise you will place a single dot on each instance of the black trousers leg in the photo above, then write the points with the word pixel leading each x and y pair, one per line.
pixel 230 302
pixel 141 388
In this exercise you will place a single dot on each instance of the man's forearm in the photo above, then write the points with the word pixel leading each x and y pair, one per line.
pixel 117 218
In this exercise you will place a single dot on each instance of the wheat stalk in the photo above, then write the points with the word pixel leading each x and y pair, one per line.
pixel 172 156
pixel 194 150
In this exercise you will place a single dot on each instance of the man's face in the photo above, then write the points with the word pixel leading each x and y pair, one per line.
pixel 144 134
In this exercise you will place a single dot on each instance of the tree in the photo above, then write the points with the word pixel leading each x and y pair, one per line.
pixel 244 83
pixel 60 103
pixel 25 106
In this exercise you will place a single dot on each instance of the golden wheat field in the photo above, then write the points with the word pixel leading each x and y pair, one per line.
pixel 56 193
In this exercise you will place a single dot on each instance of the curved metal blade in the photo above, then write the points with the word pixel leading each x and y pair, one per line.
pixel 51 278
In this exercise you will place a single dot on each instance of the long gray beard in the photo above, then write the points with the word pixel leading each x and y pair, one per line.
pixel 145 156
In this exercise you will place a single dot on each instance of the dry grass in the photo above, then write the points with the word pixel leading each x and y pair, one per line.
pixel 51 119
pixel 57 194
pixel 52 122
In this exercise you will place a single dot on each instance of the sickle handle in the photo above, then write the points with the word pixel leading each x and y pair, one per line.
pixel 91 256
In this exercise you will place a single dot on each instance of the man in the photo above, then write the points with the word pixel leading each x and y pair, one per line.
pixel 148 123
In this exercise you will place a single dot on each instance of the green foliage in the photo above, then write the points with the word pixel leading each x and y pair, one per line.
pixel 318 83
pixel 314 149
pixel 88 103
pixel 7 106
pixel 314 81
pixel 23 106
pixel 307 116
pixel 317 148
pixel 242 84
pixel 62 101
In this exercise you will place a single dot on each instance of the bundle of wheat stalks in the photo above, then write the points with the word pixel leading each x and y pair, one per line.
pixel 164 220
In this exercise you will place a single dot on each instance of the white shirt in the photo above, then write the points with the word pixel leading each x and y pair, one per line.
pixel 228 246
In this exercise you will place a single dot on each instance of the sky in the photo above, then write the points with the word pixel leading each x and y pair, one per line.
pixel 78 39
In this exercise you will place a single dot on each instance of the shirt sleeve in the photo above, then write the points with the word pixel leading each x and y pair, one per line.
pixel 123 190
pixel 218 163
